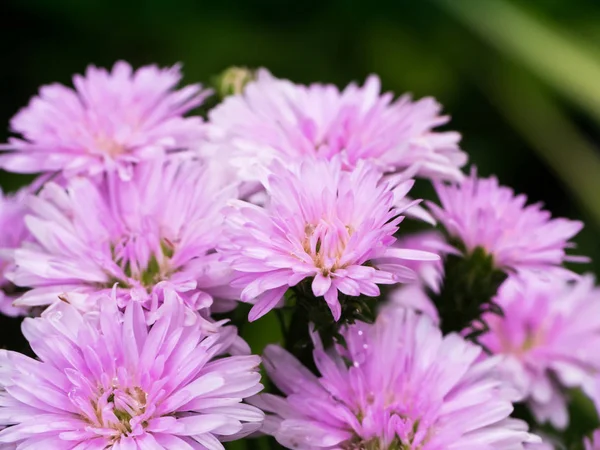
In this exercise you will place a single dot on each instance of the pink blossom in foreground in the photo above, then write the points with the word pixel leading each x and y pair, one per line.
pixel 158 228
pixel 109 382
pixel 400 384
pixel 333 226
pixel 594 443
pixel 110 120
pixel 12 234
pixel 549 337
pixel 481 213
pixel 276 119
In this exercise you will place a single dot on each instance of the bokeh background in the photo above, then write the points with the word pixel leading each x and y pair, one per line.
pixel 520 79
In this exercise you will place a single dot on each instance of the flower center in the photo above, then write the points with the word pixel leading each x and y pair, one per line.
pixel 114 411
pixel 326 243
pixel 109 147
pixel 376 444
pixel 126 405
pixel 141 263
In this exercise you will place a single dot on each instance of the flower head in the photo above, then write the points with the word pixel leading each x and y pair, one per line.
pixel 549 336
pixel 321 222
pixel 481 213
pixel 108 381
pixel 399 385
pixel 276 119
pixel 110 120
pixel 159 227
pixel 13 234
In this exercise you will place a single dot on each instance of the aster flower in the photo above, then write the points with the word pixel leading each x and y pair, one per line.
pixel 276 119
pixel 549 337
pixel 479 213
pixel 110 120
pixel 13 233
pixel 594 443
pixel 108 381
pixel 322 223
pixel 400 384
pixel 158 228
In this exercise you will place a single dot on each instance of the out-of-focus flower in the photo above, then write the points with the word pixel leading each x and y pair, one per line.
pixel 549 336
pixel 399 384
pixel 276 119
pixel 108 381
pixel 110 120
pixel 429 273
pixel 481 213
pixel 594 443
pixel 159 228
pixel 321 222
pixel 12 234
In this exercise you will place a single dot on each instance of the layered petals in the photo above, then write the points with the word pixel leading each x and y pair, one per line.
pixel 330 226
pixel 274 119
pixel 110 381
pixel 399 384
pixel 109 121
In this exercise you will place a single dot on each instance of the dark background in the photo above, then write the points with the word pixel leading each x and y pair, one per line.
pixel 521 79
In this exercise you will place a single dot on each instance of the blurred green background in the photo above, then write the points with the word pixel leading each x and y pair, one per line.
pixel 520 79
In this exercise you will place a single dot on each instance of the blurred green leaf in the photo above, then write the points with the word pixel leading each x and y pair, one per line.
pixel 550 52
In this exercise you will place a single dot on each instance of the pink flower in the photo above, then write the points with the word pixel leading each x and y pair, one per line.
pixel 110 120
pixel 13 233
pixel 549 337
pixel 158 228
pixel 276 119
pixel 400 384
pixel 594 443
pixel 333 226
pixel 481 213
pixel 108 381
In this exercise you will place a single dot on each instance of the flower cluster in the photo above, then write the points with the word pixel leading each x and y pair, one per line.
pixel 150 228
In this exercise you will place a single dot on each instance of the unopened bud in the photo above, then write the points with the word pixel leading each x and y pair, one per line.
pixel 233 81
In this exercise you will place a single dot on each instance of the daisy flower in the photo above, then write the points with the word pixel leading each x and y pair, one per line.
pixel 323 224
pixel 158 228
pixel 400 384
pixel 479 213
pixel 108 121
pixel 277 119
pixel 111 382
pixel 549 337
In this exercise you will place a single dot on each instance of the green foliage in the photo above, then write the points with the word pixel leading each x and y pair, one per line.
pixel 470 284
pixel 303 308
